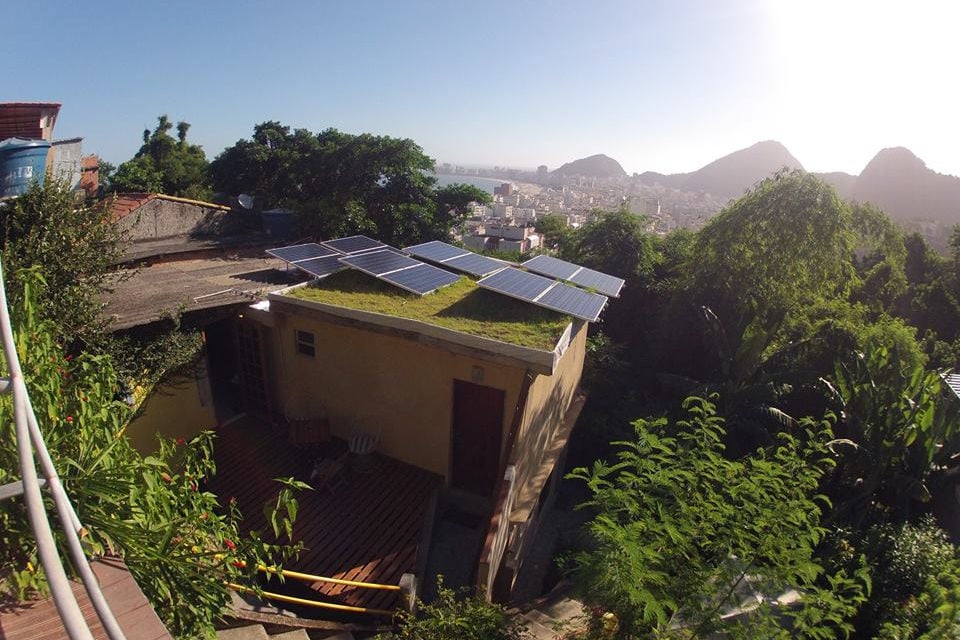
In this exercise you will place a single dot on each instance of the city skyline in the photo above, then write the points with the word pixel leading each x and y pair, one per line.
pixel 661 86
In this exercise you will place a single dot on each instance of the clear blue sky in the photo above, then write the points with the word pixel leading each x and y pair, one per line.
pixel 659 85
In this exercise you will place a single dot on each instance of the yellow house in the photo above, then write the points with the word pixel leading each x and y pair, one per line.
pixel 476 387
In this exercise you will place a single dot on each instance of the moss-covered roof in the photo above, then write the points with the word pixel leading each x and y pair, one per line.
pixel 462 306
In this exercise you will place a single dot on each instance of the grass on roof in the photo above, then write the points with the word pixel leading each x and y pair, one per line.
pixel 462 306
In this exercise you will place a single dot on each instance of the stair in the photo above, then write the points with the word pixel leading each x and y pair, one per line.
pixel 258 632
pixel 545 617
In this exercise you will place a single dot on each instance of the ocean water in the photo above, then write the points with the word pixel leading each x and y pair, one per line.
pixel 487 184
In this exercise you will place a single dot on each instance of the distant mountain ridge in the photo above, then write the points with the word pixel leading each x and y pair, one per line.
pixel 595 166
pixel 732 174
pixel 903 186
pixel 895 180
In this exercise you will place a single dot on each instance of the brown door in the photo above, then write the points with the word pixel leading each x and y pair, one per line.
pixel 252 372
pixel 477 429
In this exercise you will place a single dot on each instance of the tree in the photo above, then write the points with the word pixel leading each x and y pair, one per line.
pixel 340 183
pixel 786 243
pixel 553 228
pixel 682 534
pixel 165 165
pixel 614 243
pixel 455 200
pixel 178 542
pixel 74 246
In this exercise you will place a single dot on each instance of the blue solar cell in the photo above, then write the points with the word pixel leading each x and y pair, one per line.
pixel 422 279
pixel 354 244
pixel 319 267
pixel 553 267
pixel 574 302
pixel 300 252
pixel 436 251
pixel 606 284
pixel 581 276
pixel 377 263
pixel 516 283
pixel 474 264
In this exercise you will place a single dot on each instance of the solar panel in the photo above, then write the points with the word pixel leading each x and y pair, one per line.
pixel 516 283
pixel 300 252
pixel 378 263
pixel 474 264
pixel 455 258
pixel 953 381
pixel 581 276
pixel 354 244
pixel 573 301
pixel 436 251
pixel 421 279
pixel 546 293
pixel 320 267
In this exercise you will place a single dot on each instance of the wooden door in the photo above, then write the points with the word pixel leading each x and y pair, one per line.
pixel 253 376
pixel 477 432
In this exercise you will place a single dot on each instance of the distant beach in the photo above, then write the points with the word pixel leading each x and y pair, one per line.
pixel 487 184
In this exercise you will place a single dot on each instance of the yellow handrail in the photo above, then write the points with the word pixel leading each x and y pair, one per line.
pixel 311 603
pixel 296 575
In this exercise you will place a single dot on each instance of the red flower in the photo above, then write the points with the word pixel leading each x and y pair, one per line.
pixel 181 441
pixel 165 477
pixel 70 419
pixel 68 358
pixel 239 564
pixel 229 544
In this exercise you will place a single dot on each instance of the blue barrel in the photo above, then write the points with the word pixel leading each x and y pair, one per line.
pixel 21 162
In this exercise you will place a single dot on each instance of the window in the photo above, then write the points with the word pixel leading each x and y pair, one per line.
pixel 305 344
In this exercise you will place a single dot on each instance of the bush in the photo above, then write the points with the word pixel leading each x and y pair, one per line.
pixel 454 616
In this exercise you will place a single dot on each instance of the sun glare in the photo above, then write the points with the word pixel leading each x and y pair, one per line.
pixel 851 69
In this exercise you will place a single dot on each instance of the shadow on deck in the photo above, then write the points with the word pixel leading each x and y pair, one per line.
pixel 367 529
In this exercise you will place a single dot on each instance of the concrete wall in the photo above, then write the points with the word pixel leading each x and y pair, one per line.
pixel 384 384
pixel 180 407
pixel 160 218
pixel 66 158
pixel 548 399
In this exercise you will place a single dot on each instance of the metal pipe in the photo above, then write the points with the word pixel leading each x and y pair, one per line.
pixel 60 588
pixel 311 603
pixel 296 575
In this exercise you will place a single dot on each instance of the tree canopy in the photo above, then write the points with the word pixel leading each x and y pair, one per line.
pixel 165 164
pixel 342 184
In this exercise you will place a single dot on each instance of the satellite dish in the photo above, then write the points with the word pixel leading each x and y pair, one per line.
pixel 245 200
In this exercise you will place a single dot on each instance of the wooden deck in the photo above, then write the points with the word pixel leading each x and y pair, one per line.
pixel 367 529
pixel 39 619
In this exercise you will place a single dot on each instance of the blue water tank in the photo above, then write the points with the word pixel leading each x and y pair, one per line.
pixel 21 162
pixel 278 223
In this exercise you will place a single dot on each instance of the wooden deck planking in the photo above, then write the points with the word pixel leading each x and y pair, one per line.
pixel 367 529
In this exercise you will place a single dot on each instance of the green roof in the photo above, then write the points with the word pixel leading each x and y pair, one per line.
pixel 462 306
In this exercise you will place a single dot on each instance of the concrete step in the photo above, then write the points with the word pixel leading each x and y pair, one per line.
pixel 535 615
pixel 296 634
pixel 563 609
pixel 538 631
pixel 250 632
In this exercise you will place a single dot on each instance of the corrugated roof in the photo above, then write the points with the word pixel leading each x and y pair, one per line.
pixel 122 204
pixel 22 119
pixel 38 619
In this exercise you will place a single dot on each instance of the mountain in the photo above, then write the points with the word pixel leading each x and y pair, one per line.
pixel 596 166
pixel 732 174
pixel 900 183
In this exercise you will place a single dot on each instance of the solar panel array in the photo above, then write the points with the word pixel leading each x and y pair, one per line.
pixel 456 258
pixel 401 271
pixel 581 276
pixel 545 292
pixel 390 265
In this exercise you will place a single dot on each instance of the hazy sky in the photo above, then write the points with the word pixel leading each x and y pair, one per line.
pixel 667 85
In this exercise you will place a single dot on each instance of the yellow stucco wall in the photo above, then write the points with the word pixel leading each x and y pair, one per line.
pixel 548 399
pixel 179 407
pixel 393 386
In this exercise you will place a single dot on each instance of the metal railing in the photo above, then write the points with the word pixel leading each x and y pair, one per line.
pixel 30 449
pixel 307 577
